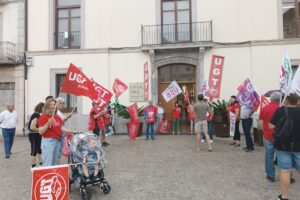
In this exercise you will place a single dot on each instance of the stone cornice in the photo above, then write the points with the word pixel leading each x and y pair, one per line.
pixel 253 43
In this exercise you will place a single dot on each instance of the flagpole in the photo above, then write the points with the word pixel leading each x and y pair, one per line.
pixel 73 109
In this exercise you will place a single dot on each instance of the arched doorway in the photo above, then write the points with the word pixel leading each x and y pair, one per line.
pixel 185 76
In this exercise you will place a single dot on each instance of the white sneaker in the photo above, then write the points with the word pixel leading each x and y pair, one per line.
pixel 178 132
pixel 173 132
pixel 211 141
pixel 202 141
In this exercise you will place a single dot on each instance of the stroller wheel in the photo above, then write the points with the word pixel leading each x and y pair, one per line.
pixel 106 189
pixel 84 195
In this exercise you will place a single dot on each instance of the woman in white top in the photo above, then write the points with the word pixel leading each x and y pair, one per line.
pixel 160 114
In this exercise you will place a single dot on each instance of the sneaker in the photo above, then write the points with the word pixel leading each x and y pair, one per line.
pixel 202 141
pixel 271 179
pixel 7 156
pixel 173 133
pixel 245 148
pixel 249 150
pixel 280 198
pixel 211 141
pixel 178 133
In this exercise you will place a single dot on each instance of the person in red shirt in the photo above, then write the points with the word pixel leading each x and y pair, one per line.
pixel 150 113
pixel 235 108
pixel 265 116
pixel 50 127
pixel 97 123
pixel 176 118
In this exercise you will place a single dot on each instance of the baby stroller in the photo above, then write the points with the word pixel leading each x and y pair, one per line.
pixel 86 161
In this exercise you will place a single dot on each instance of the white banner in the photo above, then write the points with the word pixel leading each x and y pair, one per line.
pixel 232 123
pixel 171 91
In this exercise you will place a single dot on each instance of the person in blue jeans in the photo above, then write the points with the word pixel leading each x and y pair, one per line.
pixel 150 117
pixel 266 113
pixel 287 149
pixel 8 123
pixel 247 121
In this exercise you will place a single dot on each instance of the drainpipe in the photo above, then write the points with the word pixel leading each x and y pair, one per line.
pixel 297 17
pixel 24 56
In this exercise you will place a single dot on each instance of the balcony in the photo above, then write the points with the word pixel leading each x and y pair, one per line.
pixel 196 32
pixel 8 53
pixel 68 40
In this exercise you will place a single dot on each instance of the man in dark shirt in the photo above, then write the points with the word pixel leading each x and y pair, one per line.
pixel 288 150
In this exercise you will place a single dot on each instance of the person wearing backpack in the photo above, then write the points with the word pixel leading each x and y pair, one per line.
pixel 34 137
pixel 286 125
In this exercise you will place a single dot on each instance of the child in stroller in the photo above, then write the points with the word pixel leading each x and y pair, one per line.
pixel 86 160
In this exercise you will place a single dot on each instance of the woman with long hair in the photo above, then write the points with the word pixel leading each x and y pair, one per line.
pixel 235 108
pixel 34 136
pixel 50 127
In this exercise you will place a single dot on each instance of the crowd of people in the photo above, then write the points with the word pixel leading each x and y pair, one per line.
pixel 47 130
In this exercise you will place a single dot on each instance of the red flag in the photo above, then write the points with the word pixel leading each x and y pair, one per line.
pixel 264 102
pixel 146 82
pixel 50 183
pixel 215 76
pixel 104 95
pixel 78 84
pixel 133 129
pixel 119 87
pixel 134 112
pixel 164 126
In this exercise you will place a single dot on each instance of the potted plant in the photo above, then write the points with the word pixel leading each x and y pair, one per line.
pixel 221 118
pixel 121 112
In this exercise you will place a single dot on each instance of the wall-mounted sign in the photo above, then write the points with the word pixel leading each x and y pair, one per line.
pixel 136 92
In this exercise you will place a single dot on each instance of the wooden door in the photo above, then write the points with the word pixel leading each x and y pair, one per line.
pixel 168 106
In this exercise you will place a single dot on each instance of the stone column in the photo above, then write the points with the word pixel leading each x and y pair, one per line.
pixel 153 77
pixel 200 70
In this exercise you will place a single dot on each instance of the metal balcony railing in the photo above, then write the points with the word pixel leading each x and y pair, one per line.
pixel 177 33
pixel 8 53
pixel 68 40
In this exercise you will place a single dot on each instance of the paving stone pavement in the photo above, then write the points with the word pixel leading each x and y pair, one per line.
pixel 169 168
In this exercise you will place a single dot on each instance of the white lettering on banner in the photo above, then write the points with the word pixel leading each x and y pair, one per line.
pixel 215 81
pixel 77 77
pixel 171 91
pixel 50 187
pixel 218 61
pixel 216 71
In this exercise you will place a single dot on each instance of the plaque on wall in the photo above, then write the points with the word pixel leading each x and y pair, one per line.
pixel 136 92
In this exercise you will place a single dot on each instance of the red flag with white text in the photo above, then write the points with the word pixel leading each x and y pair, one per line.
pixel 78 84
pixel 104 95
pixel 134 112
pixel 119 87
pixel 215 76
pixel 264 102
pixel 133 129
pixel 50 183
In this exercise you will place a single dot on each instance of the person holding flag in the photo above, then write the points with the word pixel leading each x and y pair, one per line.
pixel 235 108
pixel 150 117
pixel 266 114
pixel 50 127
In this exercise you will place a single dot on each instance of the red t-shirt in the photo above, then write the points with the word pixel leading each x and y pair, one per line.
pixel 191 113
pixel 54 131
pixel 266 115
pixel 106 118
pixel 151 113
pixel 233 108
pixel 176 113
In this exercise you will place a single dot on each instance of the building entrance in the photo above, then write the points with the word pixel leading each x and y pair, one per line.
pixel 184 75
